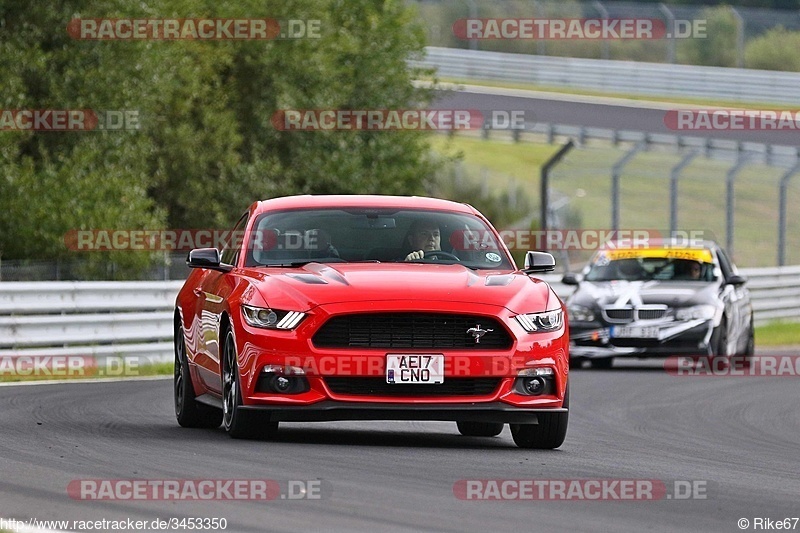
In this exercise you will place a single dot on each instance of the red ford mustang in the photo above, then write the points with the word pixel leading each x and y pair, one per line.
pixel 370 308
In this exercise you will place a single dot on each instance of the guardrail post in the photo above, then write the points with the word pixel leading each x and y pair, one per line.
pixel 616 171
pixel 675 173
pixel 670 28
pixel 544 182
pixel 603 14
pixel 473 14
pixel 739 37
pixel 730 198
pixel 782 194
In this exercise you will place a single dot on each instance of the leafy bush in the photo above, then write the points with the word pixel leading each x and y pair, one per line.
pixel 777 49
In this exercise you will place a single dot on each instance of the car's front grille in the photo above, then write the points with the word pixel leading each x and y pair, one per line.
pixel 618 314
pixel 651 313
pixel 377 386
pixel 413 330
pixel 630 314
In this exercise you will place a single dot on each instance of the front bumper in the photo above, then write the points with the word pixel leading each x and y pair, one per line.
pixel 331 410
pixel 597 340
pixel 258 348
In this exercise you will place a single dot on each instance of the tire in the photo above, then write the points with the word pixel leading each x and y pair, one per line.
pixel 719 343
pixel 480 429
pixel 750 348
pixel 575 362
pixel 603 363
pixel 548 434
pixel 188 411
pixel 238 423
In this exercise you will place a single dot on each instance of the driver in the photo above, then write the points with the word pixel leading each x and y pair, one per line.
pixel 424 236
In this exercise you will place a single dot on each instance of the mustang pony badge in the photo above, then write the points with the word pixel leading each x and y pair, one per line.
pixel 477 332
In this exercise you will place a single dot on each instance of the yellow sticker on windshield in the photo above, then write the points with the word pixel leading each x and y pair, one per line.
pixel 692 254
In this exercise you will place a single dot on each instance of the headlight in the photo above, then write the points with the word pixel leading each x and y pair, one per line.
pixel 578 313
pixel 261 317
pixel 537 322
pixel 704 312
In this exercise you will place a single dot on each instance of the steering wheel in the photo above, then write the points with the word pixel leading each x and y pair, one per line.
pixel 430 254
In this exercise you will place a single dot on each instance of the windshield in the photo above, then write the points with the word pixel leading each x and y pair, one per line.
pixel 297 237
pixel 645 265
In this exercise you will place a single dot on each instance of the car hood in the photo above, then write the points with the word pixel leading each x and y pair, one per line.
pixel 633 293
pixel 318 284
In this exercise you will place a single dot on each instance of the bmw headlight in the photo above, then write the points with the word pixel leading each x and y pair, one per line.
pixel 261 317
pixel 579 313
pixel 538 322
pixel 697 312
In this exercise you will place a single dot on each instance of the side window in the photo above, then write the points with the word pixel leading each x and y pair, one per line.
pixel 230 252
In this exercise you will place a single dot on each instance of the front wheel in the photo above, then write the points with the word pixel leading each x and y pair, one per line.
pixel 480 429
pixel 549 433
pixel 239 423
pixel 720 344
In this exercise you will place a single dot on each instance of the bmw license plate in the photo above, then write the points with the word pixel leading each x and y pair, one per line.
pixel 634 332
pixel 415 368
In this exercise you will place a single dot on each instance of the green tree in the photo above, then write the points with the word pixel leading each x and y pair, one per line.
pixel 778 49
pixel 718 48
pixel 206 147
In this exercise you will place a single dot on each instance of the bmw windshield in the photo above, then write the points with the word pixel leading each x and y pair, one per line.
pixel 660 264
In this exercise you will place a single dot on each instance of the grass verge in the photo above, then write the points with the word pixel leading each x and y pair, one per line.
pixel 114 371
pixel 778 334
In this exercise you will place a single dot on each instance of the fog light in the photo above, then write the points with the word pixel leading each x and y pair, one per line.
pixel 534 386
pixel 282 380
pixel 281 384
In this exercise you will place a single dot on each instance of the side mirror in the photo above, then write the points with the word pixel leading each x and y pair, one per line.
pixel 736 280
pixel 570 279
pixel 207 258
pixel 539 262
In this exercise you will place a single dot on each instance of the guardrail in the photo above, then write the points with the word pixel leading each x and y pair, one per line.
pixel 622 77
pixel 134 319
pixel 101 319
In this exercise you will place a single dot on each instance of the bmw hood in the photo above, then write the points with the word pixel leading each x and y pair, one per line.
pixel 318 284
pixel 635 293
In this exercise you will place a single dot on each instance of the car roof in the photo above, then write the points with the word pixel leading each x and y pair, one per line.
pixel 660 243
pixel 310 201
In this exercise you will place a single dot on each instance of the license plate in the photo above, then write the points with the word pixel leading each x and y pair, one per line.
pixel 634 332
pixel 415 368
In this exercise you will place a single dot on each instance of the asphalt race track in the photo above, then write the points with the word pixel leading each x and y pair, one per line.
pixel 738 436
pixel 643 116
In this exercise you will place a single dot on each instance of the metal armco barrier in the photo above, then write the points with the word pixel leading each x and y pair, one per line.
pixel 622 77
pixel 134 319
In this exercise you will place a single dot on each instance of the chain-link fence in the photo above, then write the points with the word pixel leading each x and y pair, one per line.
pixel 734 202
